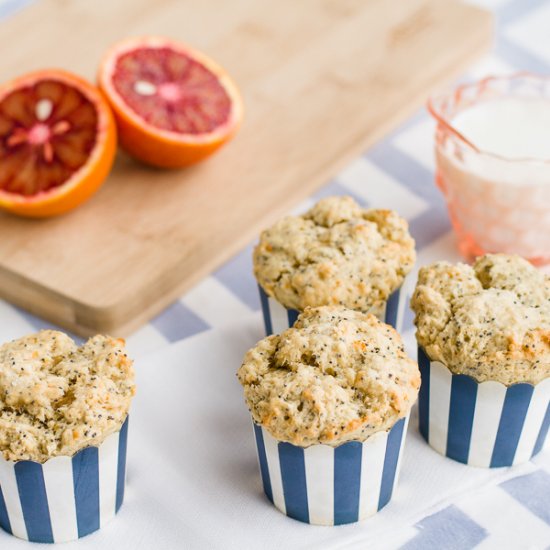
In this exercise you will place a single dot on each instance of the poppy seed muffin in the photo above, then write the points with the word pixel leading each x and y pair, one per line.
pixel 57 398
pixel 335 254
pixel 337 375
pixel 490 321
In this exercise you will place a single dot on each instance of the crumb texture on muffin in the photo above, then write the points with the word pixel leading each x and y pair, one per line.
pixel 337 375
pixel 490 321
pixel 57 398
pixel 335 254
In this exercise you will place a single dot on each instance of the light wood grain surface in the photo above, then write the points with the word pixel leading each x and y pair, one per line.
pixel 321 80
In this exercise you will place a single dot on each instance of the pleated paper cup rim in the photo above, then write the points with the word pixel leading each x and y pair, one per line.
pixel 278 318
pixel 66 497
pixel 485 424
pixel 325 485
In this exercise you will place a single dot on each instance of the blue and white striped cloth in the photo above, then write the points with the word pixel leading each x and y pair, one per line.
pixel 396 173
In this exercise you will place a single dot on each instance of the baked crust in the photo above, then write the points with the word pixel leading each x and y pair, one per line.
pixel 335 254
pixel 337 375
pixel 490 321
pixel 57 398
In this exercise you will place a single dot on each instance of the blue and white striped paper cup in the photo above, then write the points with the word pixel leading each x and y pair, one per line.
pixel 483 424
pixel 324 485
pixel 277 318
pixel 66 498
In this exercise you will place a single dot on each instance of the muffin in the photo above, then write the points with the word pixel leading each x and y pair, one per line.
pixel 484 353
pixel 330 399
pixel 337 253
pixel 63 434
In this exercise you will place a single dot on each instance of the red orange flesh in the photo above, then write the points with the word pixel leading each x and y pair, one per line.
pixel 173 105
pixel 57 143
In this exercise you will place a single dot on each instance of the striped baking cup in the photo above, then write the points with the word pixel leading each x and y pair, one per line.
pixel 277 318
pixel 65 498
pixel 483 424
pixel 324 485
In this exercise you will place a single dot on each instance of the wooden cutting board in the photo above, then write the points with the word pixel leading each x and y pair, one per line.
pixel 321 80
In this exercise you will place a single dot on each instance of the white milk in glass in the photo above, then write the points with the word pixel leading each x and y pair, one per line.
pixel 493 165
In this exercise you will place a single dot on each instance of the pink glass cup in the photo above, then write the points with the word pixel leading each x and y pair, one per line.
pixel 496 204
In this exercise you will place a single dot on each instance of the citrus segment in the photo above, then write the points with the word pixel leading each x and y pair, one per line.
pixel 173 105
pixel 180 95
pixel 57 143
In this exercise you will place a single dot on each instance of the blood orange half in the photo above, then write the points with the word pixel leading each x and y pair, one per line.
pixel 57 142
pixel 173 105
